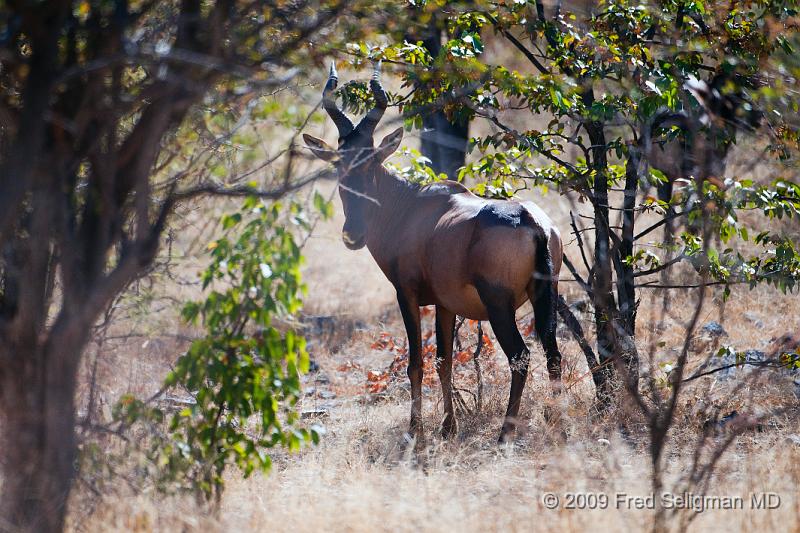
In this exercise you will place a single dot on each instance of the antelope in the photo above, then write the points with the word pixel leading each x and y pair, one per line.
pixel 441 245
pixel 722 113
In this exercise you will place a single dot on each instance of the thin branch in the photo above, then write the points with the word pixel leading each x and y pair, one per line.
pixel 477 364
pixel 575 328
pixel 210 189
pixel 578 236
pixel 659 268
pixel 523 140
pixel 584 285
pixel 687 286
pixel 770 363
pixel 657 225
pixel 521 47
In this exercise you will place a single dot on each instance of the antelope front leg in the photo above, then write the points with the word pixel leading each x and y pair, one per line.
pixel 410 311
pixel 445 324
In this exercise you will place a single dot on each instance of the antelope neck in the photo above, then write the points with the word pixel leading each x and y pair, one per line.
pixel 396 197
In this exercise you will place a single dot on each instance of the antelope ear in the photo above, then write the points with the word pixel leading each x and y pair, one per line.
pixel 390 144
pixel 701 91
pixel 320 148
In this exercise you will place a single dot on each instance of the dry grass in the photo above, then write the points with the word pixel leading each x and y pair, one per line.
pixel 365 477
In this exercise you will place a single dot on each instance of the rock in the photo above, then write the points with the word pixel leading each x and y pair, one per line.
pixel 740 360
pixel 320 410
pixel 325 394
pixel 754 356
pixel 176 403
pixel 314 413
pixel 329 331
pixel 714 329
pixel 708 338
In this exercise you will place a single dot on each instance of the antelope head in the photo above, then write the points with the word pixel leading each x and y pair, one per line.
pixel 726 109
pixel 356 159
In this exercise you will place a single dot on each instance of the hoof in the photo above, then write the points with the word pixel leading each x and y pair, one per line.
pixel 508 434
pixel 414 440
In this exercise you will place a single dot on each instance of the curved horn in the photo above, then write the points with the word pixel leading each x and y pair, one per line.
pixel 368 123
pixel 343 123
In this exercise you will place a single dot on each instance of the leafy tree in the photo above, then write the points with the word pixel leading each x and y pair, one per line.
pixel 244 374
pixel 97 99
pixel 445 135
pixel 602 82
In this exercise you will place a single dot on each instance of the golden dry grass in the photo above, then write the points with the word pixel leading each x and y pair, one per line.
pixel 365 477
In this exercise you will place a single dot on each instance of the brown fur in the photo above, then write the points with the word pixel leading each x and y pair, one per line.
pixel 442 245
pixel 431 238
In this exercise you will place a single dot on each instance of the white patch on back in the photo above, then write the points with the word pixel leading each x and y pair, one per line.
pixel 442 188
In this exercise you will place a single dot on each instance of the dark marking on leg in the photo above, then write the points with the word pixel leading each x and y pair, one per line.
pixel 544 321
pixel 542 294
pixel 410 311
pixel 445 324
pixel 499 302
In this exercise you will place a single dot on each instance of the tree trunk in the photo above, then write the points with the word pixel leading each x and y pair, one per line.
pixel 38 390
pixel 626 288
pixel 625 281
pixel 614 324
pixel 603 298
pixel 442 141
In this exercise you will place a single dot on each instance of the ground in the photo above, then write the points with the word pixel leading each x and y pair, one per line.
pixel 365 475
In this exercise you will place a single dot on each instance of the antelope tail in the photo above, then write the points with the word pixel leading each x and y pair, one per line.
pixel 544 304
